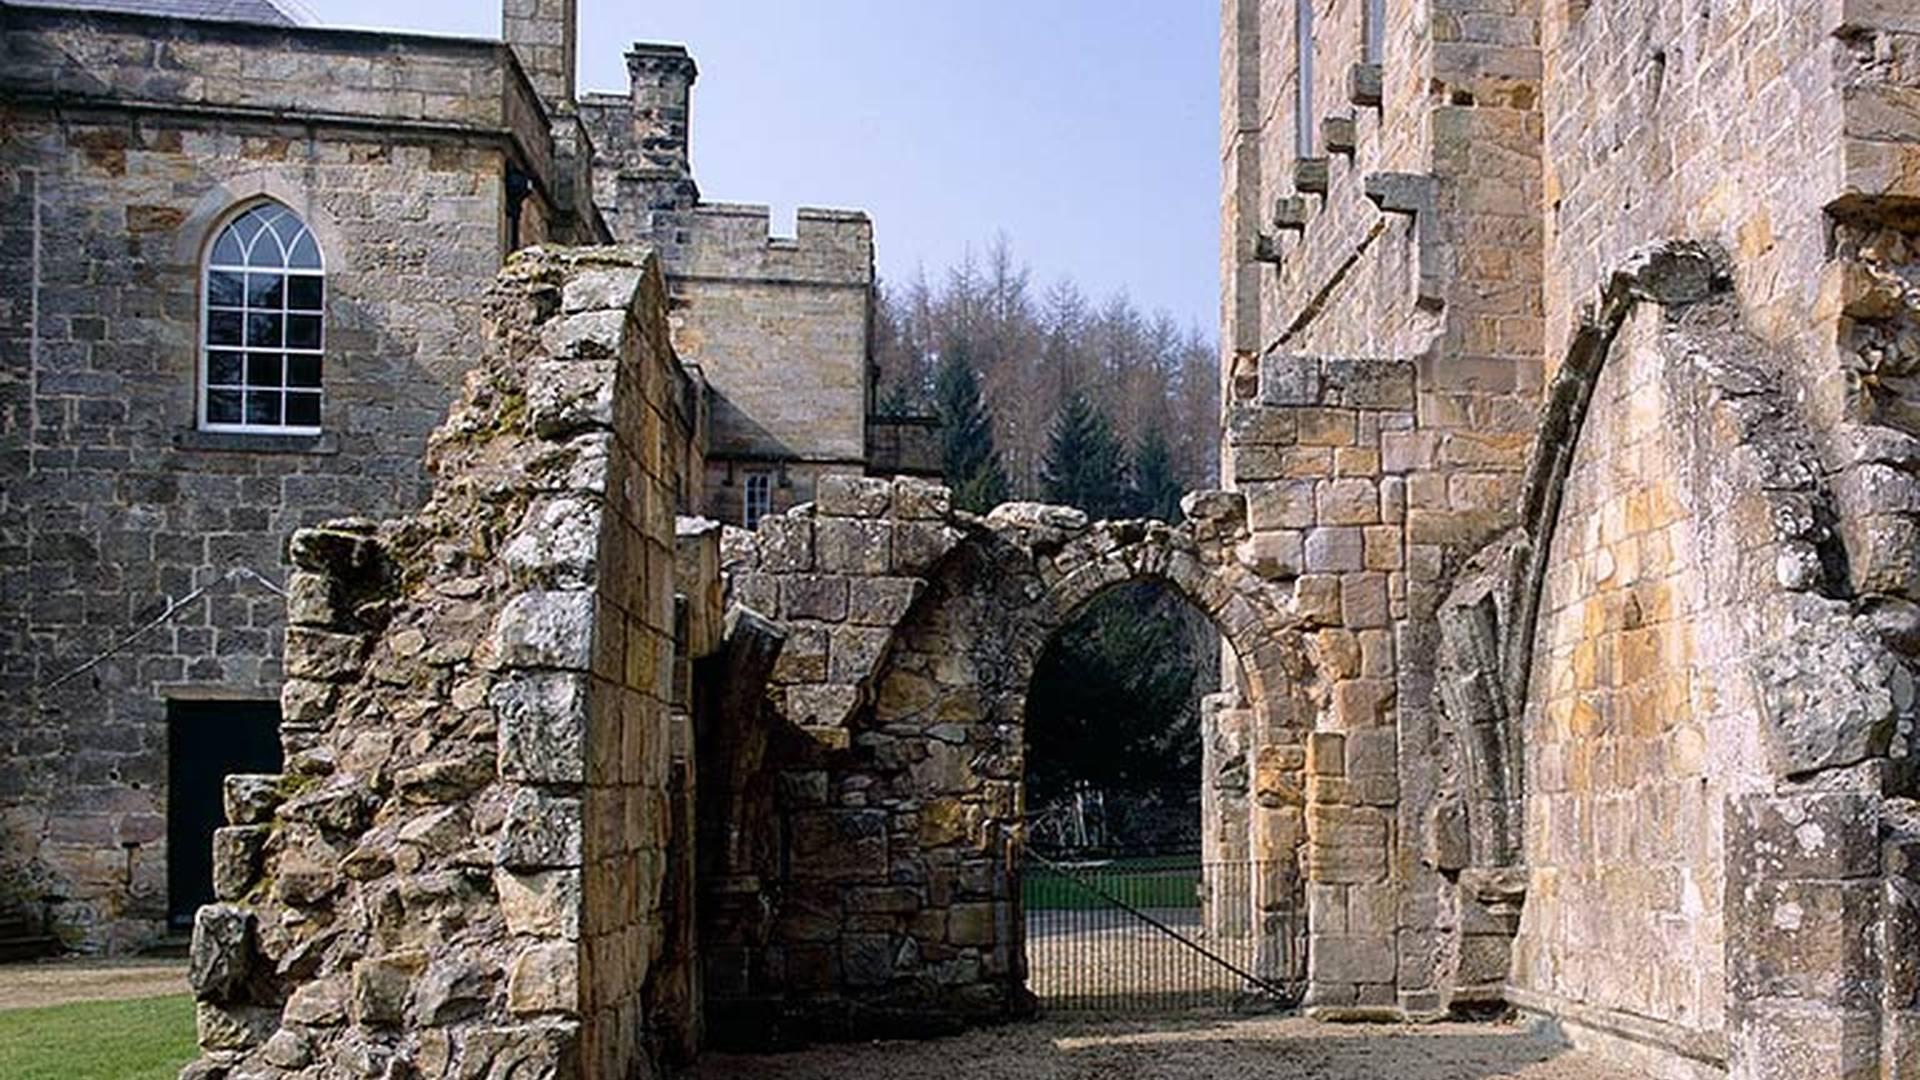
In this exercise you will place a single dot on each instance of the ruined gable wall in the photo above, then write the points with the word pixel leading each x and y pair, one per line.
pixel 461 871
pixel 1623 816
pixel 1713 725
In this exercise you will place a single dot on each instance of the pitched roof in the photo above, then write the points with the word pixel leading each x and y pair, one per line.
pixel 249 11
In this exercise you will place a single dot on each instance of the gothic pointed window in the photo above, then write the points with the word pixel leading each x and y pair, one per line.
pixel 262 335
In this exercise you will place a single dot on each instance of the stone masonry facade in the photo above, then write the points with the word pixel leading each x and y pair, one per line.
pixel 116 510
pixel 143 558
pixel 1642 513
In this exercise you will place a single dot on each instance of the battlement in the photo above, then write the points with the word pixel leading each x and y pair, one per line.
pixel 737 241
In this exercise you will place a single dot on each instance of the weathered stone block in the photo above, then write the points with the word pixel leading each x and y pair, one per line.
pixel 541 831
pixel 838 495
pixel 454 988
pixel 564 399
pixel 223 954
pixel 853 546
pixel 856 652
pixel 821 706
pixel 381 986
pixel 557 545
pixel 1351 959
pixel 840 845
pixel 322 655
pixel 236 859
pixel 251 798
pixel 814 596
pixel 542 726
pixel 233 1028
pixel 786 544
pixel 881 601
pixel 545 979
pixel 1282 504
pixel 541 904
pixel 920 500
pixel 320 1003
pixel 546 630
pixel 1275 556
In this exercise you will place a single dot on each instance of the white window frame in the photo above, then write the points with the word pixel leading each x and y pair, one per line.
pixel 210 265
pixel 756 487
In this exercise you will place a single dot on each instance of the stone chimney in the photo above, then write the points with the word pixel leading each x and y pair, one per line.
pixel 544 36
pixel 662 86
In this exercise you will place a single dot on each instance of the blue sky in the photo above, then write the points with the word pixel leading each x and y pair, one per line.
pixel 1086 130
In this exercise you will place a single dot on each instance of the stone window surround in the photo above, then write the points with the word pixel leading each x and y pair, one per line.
pixel 245 265
pixel 193 241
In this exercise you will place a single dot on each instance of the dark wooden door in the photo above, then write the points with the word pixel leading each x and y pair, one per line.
pixel 207 741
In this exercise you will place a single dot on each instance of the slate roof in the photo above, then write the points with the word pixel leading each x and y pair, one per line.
pixel 247 11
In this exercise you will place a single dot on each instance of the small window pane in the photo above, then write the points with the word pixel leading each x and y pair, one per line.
pixel 303 371
pixel 267 251
pixel 305 254
pixel 223 369
pixel 227 252
pixel 303 331
pixel 263 331
pixel 304 293
pixel 263 407
pixel 223 406
pixel 223 289
pixel 303 410
pixel 263 369
pixel 266 290
pixel 223 328
pixel 247 226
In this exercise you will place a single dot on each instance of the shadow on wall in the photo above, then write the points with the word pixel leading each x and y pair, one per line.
pixel 1198 1048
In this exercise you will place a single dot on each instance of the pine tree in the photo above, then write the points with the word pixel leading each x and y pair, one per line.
pixel 1156 491
pixel 1085 465
pixel 971 464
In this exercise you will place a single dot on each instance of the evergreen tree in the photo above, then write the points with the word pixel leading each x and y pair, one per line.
pixel 1113 704
pixel 1156 491
pixel 971 464
pixel 898 402
pixel 1085 465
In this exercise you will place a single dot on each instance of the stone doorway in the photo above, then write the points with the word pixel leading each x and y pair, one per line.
pixel 1136 892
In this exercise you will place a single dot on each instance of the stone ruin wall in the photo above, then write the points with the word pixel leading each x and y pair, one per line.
pixel 885 898
pixel 463 870
pixel 1716 726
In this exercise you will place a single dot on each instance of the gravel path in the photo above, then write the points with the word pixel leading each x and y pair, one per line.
pixel 57 982
pixel 1282 1048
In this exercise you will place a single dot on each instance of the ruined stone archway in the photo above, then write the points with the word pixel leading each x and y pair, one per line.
pixel 900 708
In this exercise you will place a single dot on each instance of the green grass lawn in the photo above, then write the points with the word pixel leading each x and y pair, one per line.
pixel 148 1039
pixel 1144 882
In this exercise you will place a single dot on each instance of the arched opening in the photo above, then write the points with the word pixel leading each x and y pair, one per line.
pixel 1141 887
